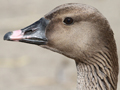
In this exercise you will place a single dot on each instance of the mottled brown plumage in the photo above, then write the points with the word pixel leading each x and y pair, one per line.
pixel 89 41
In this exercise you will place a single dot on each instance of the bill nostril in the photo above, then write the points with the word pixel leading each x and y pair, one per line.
pixel 28 32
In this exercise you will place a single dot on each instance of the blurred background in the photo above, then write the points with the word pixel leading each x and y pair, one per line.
pixel 29 67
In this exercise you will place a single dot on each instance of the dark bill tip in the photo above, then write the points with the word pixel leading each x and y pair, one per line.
pixel 7 36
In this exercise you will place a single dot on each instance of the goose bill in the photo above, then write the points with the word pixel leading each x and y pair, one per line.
pixel 33 34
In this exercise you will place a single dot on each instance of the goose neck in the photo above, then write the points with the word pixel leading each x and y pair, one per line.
pixel 90 77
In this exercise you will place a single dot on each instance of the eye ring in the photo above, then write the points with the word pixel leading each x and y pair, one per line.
pixel 68 21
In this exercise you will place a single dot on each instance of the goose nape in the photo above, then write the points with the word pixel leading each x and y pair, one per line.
pixel 80 32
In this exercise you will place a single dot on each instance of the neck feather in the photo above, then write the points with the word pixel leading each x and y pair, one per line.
pixel 97 73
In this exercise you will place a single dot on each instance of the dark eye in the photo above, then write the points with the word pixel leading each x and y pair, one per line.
pixel 68 20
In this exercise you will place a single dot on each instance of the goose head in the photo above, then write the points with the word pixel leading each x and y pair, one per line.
pixel 75 30
pixel 71 29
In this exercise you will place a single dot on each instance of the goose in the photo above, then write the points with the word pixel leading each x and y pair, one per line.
pixel 80 32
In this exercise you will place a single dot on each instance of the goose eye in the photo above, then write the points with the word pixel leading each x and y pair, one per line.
pixel 68 20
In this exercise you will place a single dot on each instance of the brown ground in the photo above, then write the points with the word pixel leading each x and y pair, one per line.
pixel 29 67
